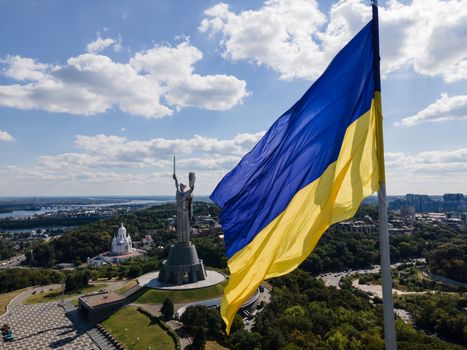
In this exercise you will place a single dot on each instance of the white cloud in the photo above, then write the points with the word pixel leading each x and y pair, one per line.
pixel 155 151
pixel 100 44
pixel 151 84
pixel 213 92
pixel 278 35
pixel 4 136
pixel 444 108
pixel 22 68
pixel 109 164
pixel 297 40
pixel 440 171
pixel 167 63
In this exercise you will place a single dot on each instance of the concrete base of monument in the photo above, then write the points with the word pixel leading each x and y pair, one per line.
pixel 151 280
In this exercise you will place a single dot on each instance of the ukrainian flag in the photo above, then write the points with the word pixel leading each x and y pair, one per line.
pixel 312 169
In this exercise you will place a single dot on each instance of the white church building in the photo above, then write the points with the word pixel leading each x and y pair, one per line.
pixel 121 249
pixel 121 243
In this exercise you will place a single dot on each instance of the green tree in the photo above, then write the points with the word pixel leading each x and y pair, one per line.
pixel 338 341
pixel 214 322
pixel 134 271
pixel 237 324
pixel 199 340
pixel 195 316
pixel 70 283
pixel 167 309
pixel 244 340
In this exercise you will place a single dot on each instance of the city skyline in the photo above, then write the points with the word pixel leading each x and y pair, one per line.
pixel 98 104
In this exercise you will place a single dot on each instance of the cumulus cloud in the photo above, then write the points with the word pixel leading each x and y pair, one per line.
pixel 445 108
pixel 155 152
pixel 100 44
pixel 271 35
pixel 152 84
pixel 296 39
pixel 4 136
pixel 102 163
pixel 183 87
pixel 440 160
pixel 108 164
pixel 439 170
pixel 23 68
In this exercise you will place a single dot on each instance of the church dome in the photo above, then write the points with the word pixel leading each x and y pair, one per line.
pixel 121 230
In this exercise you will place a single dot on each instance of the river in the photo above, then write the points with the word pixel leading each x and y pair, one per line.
pixel 53 209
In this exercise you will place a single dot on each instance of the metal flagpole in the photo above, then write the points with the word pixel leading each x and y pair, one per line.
pixel 386 278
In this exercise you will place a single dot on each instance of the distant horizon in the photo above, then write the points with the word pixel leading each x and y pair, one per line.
pixel 172 195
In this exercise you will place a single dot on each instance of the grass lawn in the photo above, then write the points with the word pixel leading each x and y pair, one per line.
pixel 127 286
pixel 157 296
pixel 56 294
pixel 6 297
pixel 128 324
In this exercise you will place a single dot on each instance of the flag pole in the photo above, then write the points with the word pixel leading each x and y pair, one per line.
pixel 386 278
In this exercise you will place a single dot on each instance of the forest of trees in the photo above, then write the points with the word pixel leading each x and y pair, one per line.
pixel 337 251
pixel 445 248
pixel 439 314
pixel 17 278
pixel 6 250
pixel 76 245
pixel 304 314
pixel 450 260
pixel 77 280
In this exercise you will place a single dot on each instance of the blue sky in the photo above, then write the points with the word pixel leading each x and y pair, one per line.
pixel 96 96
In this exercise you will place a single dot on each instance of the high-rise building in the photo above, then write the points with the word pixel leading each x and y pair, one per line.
pixel 423 203
pixel 454 202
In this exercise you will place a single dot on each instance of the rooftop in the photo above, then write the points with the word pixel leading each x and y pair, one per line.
pixel 101 298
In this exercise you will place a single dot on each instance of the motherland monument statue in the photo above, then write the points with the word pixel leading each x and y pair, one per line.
pixel 183 265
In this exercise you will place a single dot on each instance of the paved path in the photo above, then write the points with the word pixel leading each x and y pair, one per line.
pixel 43 326
pixel 19 300
pixel 377 289
pixel 332 279
pixel 13 262
pixel 84 325
pixel 445 280
pixel 151 280
pixel 46 326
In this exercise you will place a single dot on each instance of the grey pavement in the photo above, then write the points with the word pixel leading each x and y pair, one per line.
pixel 43 326
pixel 13 262
pixel 101 341
pixel 88 327
pixel 19 300
pixel 51 326
pixel 151 280
pixel 332 279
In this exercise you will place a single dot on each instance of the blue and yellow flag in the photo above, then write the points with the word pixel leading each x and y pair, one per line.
pixel 311 169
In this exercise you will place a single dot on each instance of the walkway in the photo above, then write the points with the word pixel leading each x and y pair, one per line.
pixel 43 326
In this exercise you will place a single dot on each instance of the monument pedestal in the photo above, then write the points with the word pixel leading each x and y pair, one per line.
pixel 182 265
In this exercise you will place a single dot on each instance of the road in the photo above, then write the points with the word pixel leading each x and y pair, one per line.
pixel 332 279
pixel 19 299
pixel 13 262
